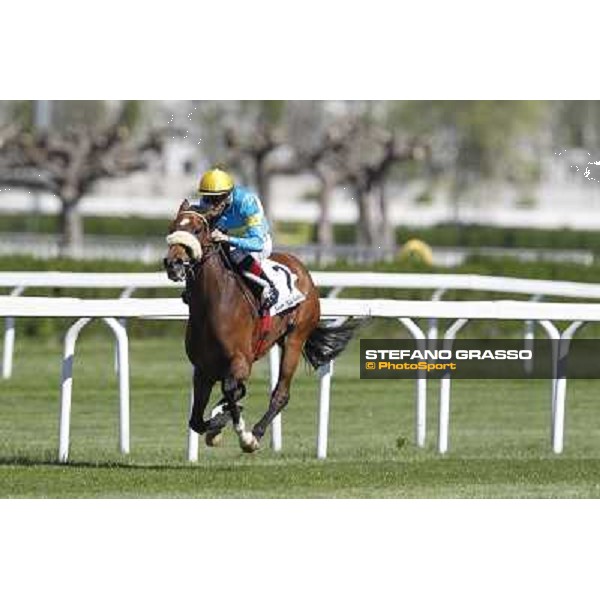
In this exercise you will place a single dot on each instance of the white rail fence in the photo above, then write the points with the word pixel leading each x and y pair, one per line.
pixel 405 311
pixel 19 281
pixel 128 283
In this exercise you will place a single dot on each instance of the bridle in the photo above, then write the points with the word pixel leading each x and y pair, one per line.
pixel 192 264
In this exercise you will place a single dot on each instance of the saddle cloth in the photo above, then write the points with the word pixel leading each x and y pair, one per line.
pixel 285 281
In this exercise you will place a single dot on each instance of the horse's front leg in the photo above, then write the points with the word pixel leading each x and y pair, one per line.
pixel 202 388
pixel 234 390
pixel 223 412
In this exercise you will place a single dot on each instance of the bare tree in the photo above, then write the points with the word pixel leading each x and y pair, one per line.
pixel 68 163
pixel 349 144
pixel 325 159
pixel 256 149
pixel 369 178
pixel 368 153
pixel 345 144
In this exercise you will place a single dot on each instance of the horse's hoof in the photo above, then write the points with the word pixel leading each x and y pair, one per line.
pixel 214 438
pixel 248 443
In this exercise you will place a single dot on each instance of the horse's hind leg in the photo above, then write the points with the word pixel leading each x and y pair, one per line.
pixel 292 350
pixel 202 389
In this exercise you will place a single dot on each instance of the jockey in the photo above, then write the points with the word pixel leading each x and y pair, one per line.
pixel 243 226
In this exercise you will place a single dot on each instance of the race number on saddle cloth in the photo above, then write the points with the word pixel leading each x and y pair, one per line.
pixel 242 225
pixel 284 281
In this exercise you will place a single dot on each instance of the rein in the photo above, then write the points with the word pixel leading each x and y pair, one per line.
pixel 193 265
pixel 238 279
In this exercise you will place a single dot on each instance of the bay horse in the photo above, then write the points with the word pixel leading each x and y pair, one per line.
pixel 225 333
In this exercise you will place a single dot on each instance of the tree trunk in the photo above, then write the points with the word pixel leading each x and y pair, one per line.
pixel 386 227
pixel 325 226
pixel 589 132
pixel 262 179
pixel 71 229
pixel 367 233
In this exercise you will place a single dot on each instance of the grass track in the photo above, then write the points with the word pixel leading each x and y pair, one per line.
pixel 499 439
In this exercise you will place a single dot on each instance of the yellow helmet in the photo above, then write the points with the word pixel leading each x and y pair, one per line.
pixel 215 182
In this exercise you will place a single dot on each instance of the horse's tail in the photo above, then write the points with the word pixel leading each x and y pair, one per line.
pixel 327 342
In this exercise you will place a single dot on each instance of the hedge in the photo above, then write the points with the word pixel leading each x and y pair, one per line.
pixel 445 235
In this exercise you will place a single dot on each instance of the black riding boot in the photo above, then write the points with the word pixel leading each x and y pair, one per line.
pixel 267 293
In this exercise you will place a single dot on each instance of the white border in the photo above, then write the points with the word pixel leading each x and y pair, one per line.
pixel 297 549
pixel 377 50
pixel 310 49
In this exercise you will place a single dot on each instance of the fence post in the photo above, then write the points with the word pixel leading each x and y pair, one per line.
pixel 561 387
pixel 325 372
pixel 444 414
pixel 66 389
pixel 421 385
pixel 276 433
pixel 554 336
pixel 126 293
pixel 9 339
pixel 123 370
pixel 193 437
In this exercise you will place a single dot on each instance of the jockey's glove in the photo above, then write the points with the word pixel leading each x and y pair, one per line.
pixel 219 236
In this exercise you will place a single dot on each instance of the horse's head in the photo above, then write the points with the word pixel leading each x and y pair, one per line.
pixel 189 235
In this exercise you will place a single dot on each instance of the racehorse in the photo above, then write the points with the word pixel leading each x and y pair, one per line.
pixel 226 334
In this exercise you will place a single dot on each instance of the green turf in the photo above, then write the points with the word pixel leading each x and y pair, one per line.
pixel 499 438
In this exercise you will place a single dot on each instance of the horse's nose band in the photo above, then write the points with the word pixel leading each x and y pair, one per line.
pixel 186 239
